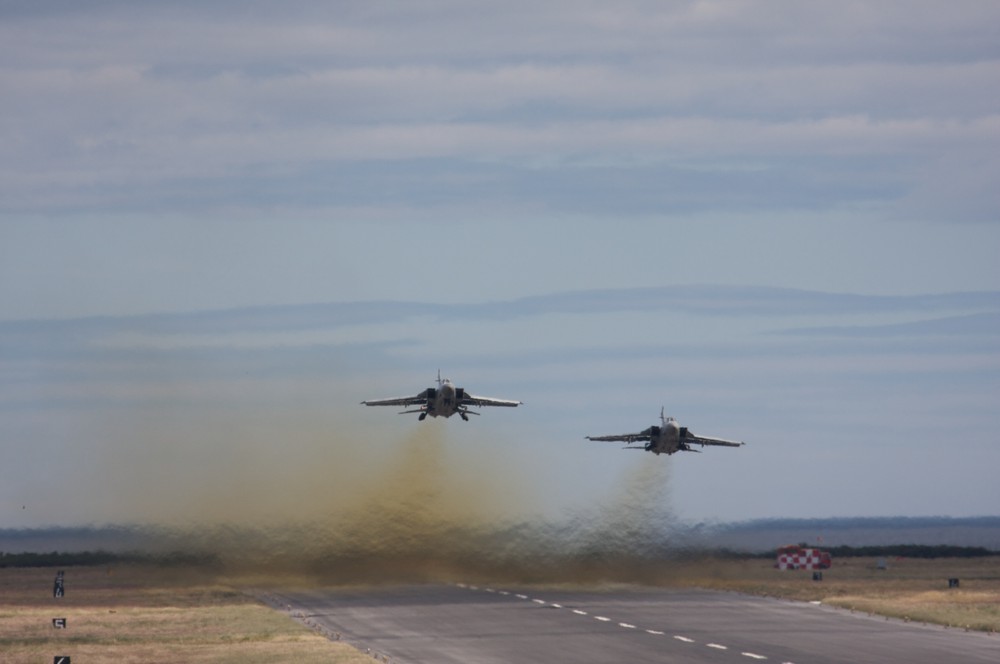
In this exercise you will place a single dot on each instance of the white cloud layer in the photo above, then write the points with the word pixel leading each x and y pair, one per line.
pixel 112 109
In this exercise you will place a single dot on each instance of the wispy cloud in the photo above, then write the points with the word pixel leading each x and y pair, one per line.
pixel 113 110
pixel 978 325
pixel 283 323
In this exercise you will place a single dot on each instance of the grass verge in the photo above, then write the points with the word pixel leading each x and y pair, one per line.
pixel 908 588
pixel 150 614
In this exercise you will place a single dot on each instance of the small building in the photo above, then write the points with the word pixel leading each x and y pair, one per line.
pixel 795 556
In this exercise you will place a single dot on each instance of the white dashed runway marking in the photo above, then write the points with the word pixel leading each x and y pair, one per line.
pixel 623 625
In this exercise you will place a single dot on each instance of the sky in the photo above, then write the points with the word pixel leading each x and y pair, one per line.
pixel 223 226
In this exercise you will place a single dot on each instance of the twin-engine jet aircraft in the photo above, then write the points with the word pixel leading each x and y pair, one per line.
pixel 667 438
pixel 442 401
pixel 445 400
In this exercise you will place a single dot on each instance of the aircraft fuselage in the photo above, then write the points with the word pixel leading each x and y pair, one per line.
pixel 444 401
pixel 666 438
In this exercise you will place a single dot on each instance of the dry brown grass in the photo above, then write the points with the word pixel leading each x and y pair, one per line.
pixel 910 588
pixel 149 614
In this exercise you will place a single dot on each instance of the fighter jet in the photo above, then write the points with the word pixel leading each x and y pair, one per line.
pixel 442 401
pixel 667 438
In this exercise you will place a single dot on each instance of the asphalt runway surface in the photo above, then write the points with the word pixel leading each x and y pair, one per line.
pixel 440 624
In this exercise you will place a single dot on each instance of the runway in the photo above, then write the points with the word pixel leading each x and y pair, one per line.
pixel 440 624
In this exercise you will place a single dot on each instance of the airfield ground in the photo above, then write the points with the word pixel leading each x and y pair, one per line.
pixel 910 588
pixel 150 614
pixel 127 613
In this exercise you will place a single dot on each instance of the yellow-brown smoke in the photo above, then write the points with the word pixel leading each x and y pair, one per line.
pixel 286 497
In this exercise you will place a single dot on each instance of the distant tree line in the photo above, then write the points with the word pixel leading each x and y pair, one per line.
pixel 912 551
pixel 57 559
pixel 892 551
pixel 64 559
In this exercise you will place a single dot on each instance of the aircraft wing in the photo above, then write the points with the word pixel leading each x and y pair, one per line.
pixel 647 434
pixel 703 440
pixel 473 400
pixel 417 400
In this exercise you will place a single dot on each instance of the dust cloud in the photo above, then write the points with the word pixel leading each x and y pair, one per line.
pixel 283 497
